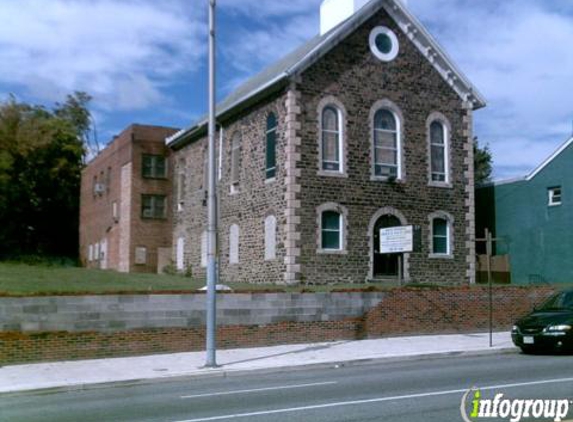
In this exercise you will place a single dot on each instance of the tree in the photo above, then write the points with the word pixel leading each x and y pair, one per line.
pixel 75 110
pixel 483 162
pixel 41 158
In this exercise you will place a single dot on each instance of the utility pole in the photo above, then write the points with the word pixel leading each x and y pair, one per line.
pixel 211 328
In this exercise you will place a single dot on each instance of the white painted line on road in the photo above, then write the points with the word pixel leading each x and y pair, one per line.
pixel 525 384
pixel 255 390
pixel 322 406
pixel 376 400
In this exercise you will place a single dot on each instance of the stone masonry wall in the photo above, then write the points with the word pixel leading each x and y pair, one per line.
pixel 350 75
pixel 254 200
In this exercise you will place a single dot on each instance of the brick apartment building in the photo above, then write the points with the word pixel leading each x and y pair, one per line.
pixel 366 126
pixel 125 200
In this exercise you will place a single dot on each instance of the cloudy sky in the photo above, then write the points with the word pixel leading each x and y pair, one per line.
pixel 144 61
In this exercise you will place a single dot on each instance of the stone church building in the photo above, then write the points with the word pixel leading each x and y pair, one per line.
pixel 366 126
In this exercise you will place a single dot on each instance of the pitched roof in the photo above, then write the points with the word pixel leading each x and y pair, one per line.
pixel 535 172
pixel 300 59
pixel 552 157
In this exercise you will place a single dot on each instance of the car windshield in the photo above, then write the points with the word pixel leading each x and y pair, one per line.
pixel 561 301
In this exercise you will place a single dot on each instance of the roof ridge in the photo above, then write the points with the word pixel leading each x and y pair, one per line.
pixel 549 159
pixel 304 56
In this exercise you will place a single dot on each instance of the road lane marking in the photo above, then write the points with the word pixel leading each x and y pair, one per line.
pixel 376 400
pixel 525 384
pixel 255 390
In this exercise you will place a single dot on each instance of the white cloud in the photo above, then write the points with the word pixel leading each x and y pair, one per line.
pixel 516 52
pixel 119 52
pixel 270 8
pixel 258 48
pixel 264 32
pixel 129 53
pixel 519 55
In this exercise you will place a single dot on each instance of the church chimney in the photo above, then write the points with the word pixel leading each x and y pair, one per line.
pixel 333 12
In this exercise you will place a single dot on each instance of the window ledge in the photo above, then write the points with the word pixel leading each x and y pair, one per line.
pixel 440 256
pixel 327 173
pixel 270 180
pixel 443 185
pixel 164 178
pixel 386 180
pixel 554 205
pixel 332 252
pixel 234 190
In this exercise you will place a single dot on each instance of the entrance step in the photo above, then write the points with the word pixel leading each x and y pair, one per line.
pixel 386 281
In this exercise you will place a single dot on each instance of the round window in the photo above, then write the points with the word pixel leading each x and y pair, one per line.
pixel 384 43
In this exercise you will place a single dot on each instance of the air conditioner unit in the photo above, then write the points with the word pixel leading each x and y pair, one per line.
pixel 99 188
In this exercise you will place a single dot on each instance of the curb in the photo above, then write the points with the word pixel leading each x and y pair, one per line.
pixel 225 373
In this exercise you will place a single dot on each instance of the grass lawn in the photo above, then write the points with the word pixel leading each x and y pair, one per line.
pixel 28 280
pixel 33 280
pixel 22 279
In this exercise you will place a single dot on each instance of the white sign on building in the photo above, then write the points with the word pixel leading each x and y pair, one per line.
pixel 397 239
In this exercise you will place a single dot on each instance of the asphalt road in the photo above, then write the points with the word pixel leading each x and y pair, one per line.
pixel 410 391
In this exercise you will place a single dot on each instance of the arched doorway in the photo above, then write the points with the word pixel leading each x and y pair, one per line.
pixel 386 266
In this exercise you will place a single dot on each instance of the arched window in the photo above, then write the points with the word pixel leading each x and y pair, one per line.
pixel 438 152
pixel 387 153
pixel 271 147
pixel 331 138
pixel 441 236
pixel 235 160
pixel 270 238
pixel 234 244
pixel 331 230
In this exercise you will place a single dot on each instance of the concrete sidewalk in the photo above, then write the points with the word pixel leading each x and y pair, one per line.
pixel 81 374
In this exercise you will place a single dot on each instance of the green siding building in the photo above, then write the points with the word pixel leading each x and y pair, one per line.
pixel 533 216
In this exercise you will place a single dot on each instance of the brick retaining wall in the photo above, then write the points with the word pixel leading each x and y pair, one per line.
pixel 49 329
pixel 54 346
pixel 450 310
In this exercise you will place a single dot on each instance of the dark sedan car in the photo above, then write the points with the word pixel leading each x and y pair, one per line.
pixel 549 326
